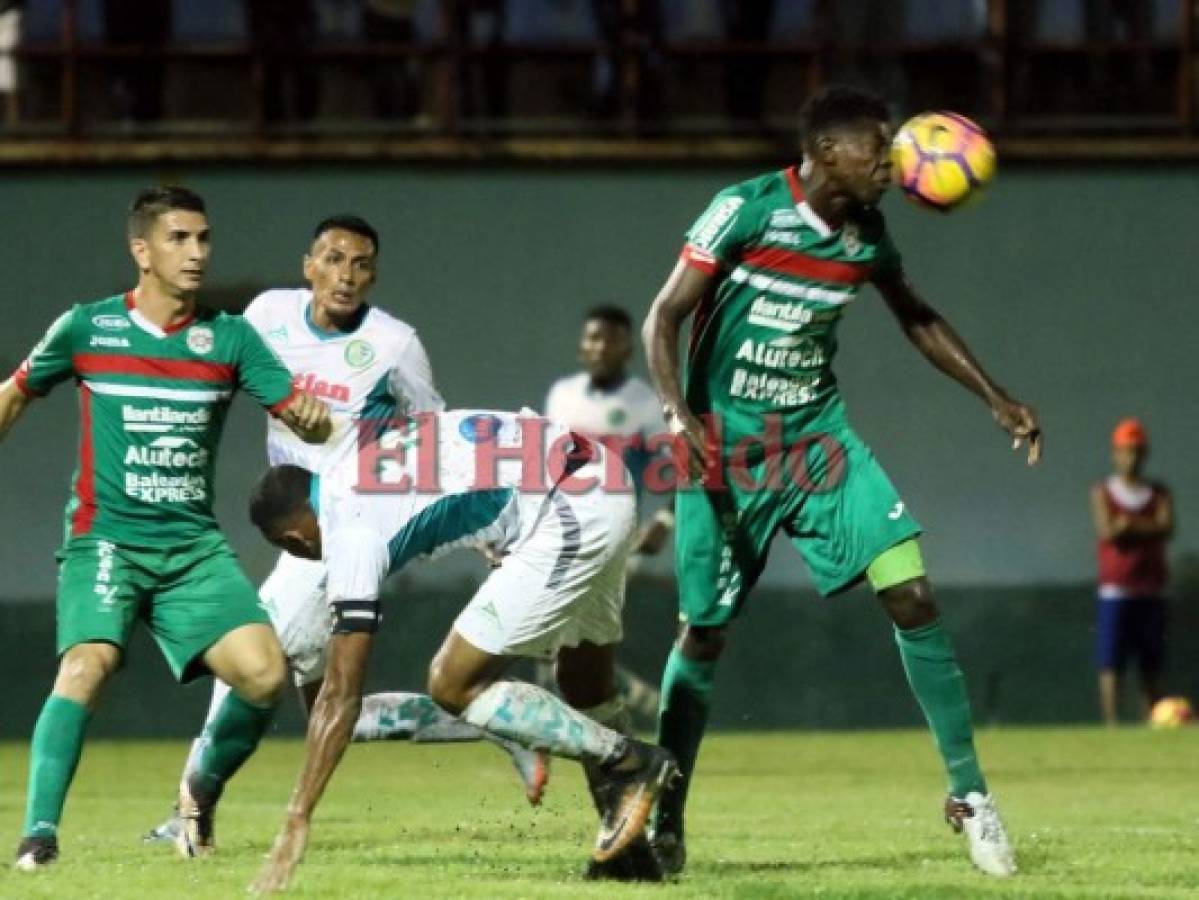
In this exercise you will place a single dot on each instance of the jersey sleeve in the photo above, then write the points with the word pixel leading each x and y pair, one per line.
pixel 52 359
pixel 717 237
pixel 411 380
pixel 261 373
pixel 357 560
pixel 554 408
pixel 258 314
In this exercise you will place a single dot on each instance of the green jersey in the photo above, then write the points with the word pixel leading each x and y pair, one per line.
pixel 152 405
pixel 765 341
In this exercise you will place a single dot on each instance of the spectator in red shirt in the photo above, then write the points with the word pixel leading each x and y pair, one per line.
pixel 1134 520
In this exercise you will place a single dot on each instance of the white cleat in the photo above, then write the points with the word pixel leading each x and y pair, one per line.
pixel 533 767
pixel 990 850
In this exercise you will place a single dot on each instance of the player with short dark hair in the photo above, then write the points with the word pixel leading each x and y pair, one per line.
pixel 766 273
pixel 155 375
pixel 1134 520
pixel 558 594
pixel 349 223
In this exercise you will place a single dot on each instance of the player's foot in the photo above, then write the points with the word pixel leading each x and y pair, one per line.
pixel 533 767
pixel 36 853
pixel 670 852
pixel 166 833
pixel 637 863
pixel 196 814
pixel 635 780
pixel 977 815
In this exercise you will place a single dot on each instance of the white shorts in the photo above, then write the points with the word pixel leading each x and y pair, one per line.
pixel 561 584
pixel 294 597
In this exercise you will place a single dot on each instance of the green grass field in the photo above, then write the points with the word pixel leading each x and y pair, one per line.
pixel 1094 814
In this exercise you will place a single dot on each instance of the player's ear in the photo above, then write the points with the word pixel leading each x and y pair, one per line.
pixel 139 249
pixel 826 149
pixel 307 266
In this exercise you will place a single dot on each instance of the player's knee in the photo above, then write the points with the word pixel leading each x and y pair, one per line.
pixel 702 643
pixel 84 669
pixel 262 679
pixel 911 604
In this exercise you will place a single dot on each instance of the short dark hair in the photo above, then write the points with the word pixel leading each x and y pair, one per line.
pixel 838 105
pixel 280 492
pixel 610 315
pixel 346 222
pixel 150 203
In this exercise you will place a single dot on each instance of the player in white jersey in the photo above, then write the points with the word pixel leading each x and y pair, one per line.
pixel 608 402
pixel 537 493
pixel 372 371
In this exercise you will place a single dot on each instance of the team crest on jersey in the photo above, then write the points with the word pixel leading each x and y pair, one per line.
pixel 851 240
pixel 359 354
pixel 200 339
pixel 480 429
pixel 278 334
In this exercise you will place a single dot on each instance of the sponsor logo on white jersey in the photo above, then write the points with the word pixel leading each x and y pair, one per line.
pixel 318 387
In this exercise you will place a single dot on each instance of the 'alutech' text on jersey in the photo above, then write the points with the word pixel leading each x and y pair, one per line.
pixel 765 341
pixel 377 372
pixel 152 405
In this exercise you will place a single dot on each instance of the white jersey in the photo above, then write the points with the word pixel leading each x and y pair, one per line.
pixel 471 501
pixel 379 371
pixel 631 410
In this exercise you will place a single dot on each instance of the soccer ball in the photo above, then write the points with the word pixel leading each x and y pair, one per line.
pixel 1171 712
pixel 942 159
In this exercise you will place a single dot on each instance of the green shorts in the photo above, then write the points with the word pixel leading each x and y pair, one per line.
pixel 828 493
pixel 189 597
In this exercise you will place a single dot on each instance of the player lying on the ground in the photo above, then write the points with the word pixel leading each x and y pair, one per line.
pixel 559 592
pixel 368 366
pixel 767 273
pixel 155 374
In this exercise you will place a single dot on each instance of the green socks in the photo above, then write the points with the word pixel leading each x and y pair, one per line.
pixel 227 742
pixel 940 690
pixel 686 697
pixel 56 747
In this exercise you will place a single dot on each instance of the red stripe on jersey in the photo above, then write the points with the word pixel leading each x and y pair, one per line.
pixel 152 367
pixel 791 174
pixel 85 483
pixel 789 262
pixel 131 304
pixel 700 259
pixel 284 403
pixel 21 380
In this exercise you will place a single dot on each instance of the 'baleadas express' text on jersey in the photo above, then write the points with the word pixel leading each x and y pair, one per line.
pixel 765 341
pixel 152 405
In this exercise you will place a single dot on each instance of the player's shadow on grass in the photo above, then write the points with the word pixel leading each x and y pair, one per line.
pixel 896 861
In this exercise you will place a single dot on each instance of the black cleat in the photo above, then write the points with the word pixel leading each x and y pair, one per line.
pixel 634 781
pixel 670 851
pixel 637 863
pixel 36 853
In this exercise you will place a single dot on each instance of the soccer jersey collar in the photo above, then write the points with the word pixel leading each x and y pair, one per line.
pixel 327 334
pixel 159 331
pixel 806 212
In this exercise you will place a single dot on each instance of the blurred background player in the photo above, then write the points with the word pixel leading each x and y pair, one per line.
pixel 605 399
pixel 155 376
pixel 372 370
pixel 1134 520
pixel 768 270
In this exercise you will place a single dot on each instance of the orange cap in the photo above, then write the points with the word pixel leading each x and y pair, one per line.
pixel 1130 433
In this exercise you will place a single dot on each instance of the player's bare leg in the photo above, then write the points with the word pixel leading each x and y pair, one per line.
pixel 250 660
pixel 465 681
pixel 1109 697
pixel 940 688
pixel 57 744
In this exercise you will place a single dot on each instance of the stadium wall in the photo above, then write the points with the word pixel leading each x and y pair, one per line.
pixel 794 661
pixel 1073 285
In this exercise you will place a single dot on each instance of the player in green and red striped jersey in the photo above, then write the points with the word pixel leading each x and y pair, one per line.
pixel 155 375
pixel 765 275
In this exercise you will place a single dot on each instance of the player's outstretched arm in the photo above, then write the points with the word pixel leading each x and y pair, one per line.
pixel 941 345
pixel 308 418
pixel 682 294
pixel 330 728
pixel 13 402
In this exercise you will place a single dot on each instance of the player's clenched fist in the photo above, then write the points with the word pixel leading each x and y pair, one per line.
pixel 308 417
